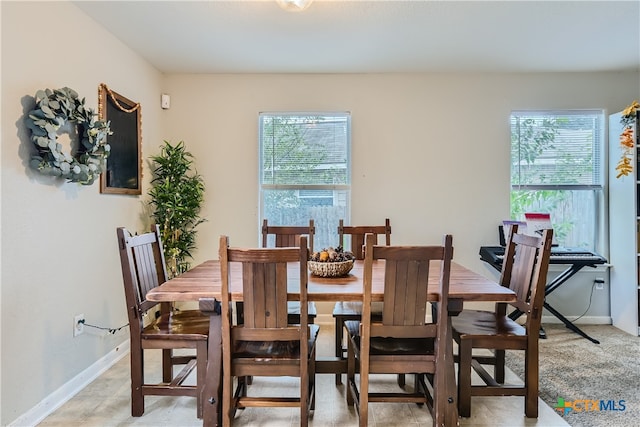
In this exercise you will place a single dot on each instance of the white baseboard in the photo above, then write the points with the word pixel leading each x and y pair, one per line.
pixel 59 397
pixel 585 320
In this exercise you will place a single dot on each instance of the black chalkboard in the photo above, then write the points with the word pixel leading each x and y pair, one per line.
pixel 122 174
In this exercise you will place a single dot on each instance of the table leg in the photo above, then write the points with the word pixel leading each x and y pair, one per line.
pixel 211 392
pixel 338 345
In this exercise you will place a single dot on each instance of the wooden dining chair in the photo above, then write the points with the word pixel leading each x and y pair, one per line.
pixel 266 344
pixel 405 340
pixel 289 236
pixel 343 310
pixel 357 234
pixel 524 270
pixel 143 268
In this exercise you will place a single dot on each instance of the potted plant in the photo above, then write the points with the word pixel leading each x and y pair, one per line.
pixel 177 194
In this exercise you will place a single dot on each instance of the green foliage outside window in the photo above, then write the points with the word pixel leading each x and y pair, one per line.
pixel 304 170
pixel 552 156
pixel 295 152
pixel 288 157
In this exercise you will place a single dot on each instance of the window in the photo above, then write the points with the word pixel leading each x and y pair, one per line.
pixel 305 171
pixel 556 168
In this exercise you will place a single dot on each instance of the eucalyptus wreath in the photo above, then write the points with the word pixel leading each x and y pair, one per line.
pixel 54 108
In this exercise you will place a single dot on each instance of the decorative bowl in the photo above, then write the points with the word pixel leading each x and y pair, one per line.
pixel 330 269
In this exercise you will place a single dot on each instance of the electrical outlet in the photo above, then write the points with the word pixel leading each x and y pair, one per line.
pixel 599 284
pixel 78 325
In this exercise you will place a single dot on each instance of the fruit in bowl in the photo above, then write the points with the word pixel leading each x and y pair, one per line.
pixel 332 255
pixel 330 262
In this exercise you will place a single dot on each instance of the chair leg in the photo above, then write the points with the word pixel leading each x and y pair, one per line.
pixel 338 344
pixel 246 382
pixel 201 372
pixel 167 365
pixel 531 378
pixel 312 380
pixel 241 386
pixel 417 388
pixel 402 381
pixel 137 380
pixel 498 369
pixel 531 404
pixel 464 378
pixel 421 388
pixel 304 399
pixel 351 374
pixel 363 406
pixel 227 398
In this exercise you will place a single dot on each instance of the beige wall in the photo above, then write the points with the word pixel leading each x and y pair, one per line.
pixel 430 151
pixel 59 251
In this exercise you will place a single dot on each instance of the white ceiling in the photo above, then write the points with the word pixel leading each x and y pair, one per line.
pixel 334 36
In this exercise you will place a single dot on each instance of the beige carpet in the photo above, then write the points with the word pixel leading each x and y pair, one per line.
pixel 573 368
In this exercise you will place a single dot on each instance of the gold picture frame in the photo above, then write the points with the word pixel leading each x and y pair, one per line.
pixel 123 169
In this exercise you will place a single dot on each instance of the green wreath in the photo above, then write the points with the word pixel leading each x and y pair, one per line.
pixel 54 109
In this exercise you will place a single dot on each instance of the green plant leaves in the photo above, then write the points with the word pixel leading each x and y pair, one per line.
pixel 177 195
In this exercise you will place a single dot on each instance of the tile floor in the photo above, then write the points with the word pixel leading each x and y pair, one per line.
pixel 105 402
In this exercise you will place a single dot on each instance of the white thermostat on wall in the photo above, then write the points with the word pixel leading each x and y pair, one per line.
pixel 165 101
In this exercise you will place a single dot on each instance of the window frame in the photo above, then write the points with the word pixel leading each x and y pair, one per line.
pixel 598 186
pixel 262 186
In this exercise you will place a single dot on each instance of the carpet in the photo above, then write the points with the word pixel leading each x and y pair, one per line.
pixel 575 369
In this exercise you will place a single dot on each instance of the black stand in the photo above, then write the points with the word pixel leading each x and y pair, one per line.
pixel 555 284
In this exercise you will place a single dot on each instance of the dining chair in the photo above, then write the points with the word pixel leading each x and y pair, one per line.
pixel 289 236
pixel 524 270
pixel 343 310
pixel 406 340
pixel 143 268
pixel 266 344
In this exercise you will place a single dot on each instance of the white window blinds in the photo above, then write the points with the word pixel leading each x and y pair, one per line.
pixel 299 150
pixel 556 149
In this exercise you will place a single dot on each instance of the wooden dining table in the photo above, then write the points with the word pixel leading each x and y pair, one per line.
pixel 203 283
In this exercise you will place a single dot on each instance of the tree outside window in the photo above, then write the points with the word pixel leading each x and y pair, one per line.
pixel 556 168
pixel 305 171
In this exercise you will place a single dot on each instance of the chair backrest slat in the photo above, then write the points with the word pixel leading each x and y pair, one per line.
pixel 357 233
